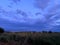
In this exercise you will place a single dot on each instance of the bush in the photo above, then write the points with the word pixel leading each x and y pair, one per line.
pixel 50 32
pixel 44 31
pixel 1 30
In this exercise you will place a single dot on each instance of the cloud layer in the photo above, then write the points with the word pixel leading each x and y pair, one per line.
pixel 45 17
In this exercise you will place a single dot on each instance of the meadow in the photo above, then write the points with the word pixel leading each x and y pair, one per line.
pixel 30 38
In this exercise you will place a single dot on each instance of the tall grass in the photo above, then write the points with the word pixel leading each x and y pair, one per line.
pixel 44 39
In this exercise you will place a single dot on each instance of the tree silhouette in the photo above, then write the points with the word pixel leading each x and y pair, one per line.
pixel 44 31
pixel 1 30
pixel 50 32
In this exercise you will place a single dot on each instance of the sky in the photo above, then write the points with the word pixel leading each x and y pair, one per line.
pixel 30 15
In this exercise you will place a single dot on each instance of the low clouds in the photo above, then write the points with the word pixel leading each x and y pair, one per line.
pixel 15 20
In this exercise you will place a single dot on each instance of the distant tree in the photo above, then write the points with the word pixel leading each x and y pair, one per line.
pixel 1 30
pixel 44 31
pixel 50 32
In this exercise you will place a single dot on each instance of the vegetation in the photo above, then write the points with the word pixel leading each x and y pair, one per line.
pixel 1 30
pixel 50 32
pixel 29 38
pixel 34 39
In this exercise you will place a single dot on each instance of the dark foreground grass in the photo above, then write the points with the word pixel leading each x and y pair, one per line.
pixel 38 39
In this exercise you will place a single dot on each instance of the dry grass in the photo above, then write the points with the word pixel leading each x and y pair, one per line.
pixel 32 34
pixel 27 34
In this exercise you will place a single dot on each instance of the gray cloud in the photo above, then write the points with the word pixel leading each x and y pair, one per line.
pixel 15 1
pixel 20 20
pixel 41 3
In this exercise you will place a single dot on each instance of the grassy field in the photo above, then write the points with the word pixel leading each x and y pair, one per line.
pixel 29 38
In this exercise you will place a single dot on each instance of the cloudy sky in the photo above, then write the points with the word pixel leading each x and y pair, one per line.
pixel 30 15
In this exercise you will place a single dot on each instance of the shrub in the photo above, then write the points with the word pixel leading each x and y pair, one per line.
pixel 50 32
pixel 1 30
pixel 44 31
